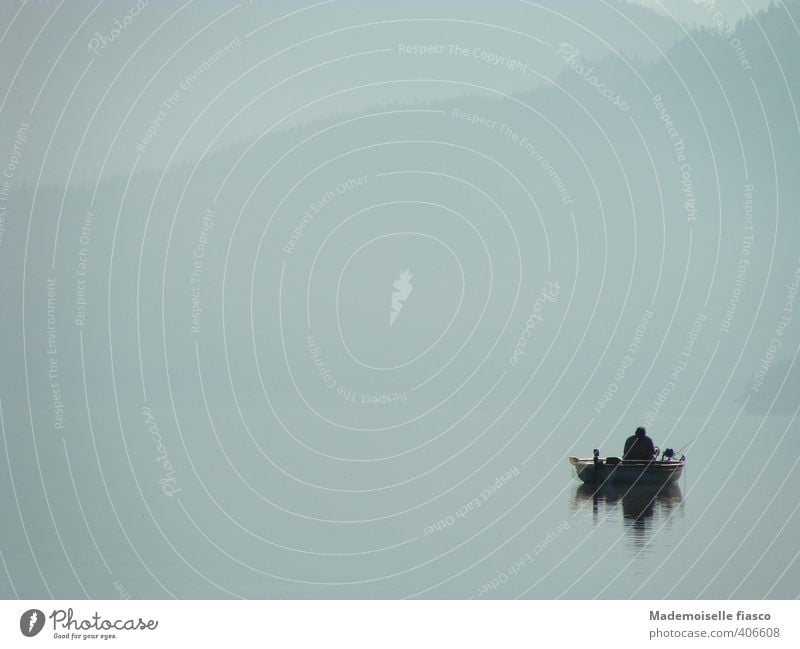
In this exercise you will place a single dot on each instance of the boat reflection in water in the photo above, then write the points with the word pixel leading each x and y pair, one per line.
pixel 641 504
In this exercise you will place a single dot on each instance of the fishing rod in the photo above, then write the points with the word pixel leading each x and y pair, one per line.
pixel 694 439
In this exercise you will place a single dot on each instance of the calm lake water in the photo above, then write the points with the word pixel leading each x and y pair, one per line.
pixel 729 528
pixel 524 527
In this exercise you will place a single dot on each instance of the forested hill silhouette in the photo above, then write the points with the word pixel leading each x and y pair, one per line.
pixel 738 127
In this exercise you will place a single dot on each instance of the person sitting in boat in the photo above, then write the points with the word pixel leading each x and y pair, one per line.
pixel 639 446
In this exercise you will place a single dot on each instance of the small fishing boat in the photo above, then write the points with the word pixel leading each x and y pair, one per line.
pixel 601 470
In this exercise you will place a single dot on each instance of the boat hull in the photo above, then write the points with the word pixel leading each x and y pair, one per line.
pixel 627 471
